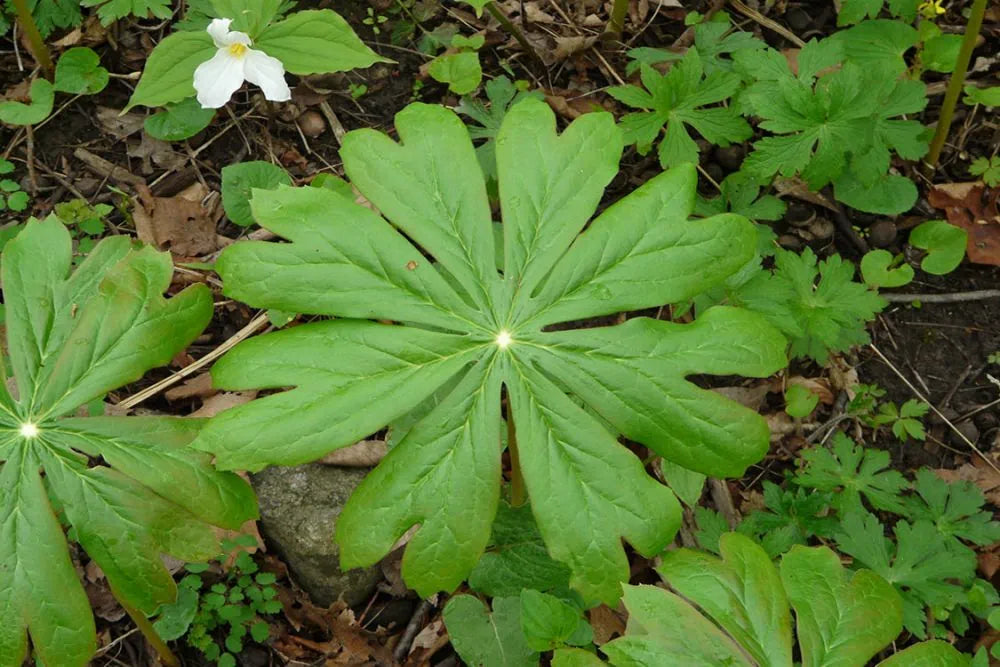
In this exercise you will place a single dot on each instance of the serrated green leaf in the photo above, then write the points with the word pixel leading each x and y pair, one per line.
pixel 79 72
pixel 878 44
pixel 316 41
pixel 110 11
pixel 462 322
pixel 42 98
pixel 890 194
pixel 851 472
pixel 575 657
pixel 241 180
pixel 516 558
pixel 130 488
pixel 919 565
pixel 988 168
pixel 742 593
pixel 944 243
pixel 488 639
pixel 169 73
pixel 955 509
pixel 677 99
pixel 179 121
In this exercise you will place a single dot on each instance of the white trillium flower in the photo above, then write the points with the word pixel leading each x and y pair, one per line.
pixel 218 78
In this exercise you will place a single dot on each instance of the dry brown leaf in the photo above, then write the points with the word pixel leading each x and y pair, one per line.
pixel 751 397
pixel 179 223
pixel 843 376
pixel 780 425
pixel 213 405
pixel 607 624
pixel 117 125
pixel 199 385
pixel 979 473
pixel 794 187
pixel 568 46
pixel 974 209
pixel 364 454
pixel 151 151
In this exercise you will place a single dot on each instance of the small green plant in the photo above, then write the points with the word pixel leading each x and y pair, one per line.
pixel 944 243
pixel 86 224
pixel 459 67
pixel 905 421
pixel 880 268
pixel 815 303
pixel 12 197
pixel 478 330
pixel 792 517
pixel 248 42
pixel 676 101
pixel 219 606
pixel 502 93
pixel 374 21
pixel 743 614
pixel 988 169
pixel 128 488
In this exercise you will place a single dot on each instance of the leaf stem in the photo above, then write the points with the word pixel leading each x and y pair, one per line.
pixel 955 83
pixel 617 23
pixel 517 493
pixel 38 48
pixel 167 656
pixel 509 26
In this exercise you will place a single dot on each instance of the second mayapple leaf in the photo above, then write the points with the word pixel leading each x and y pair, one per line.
pixel 129 488
pixel 482 330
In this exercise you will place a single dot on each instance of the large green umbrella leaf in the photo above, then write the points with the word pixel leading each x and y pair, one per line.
pixel 130 488
pixel 466 331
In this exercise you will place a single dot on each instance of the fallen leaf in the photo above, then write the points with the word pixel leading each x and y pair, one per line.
pixel 179 223
pixel 797 188
pixel 974 209
pixel 118 126
pixel 151 150
pixel 980 473
pixel 213 405
pixel 818 386
pixel 364 454
pixel 568 46
pixel 199 385
pixel 751 397
pixel 607 624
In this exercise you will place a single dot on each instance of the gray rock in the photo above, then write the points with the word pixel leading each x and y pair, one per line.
pixel 299 507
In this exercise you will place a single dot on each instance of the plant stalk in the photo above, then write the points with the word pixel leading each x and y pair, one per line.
pixel 167 656
pixel 617 23
pixel 517 492
pixel 38 48
pixel 509 26
pixel 956 83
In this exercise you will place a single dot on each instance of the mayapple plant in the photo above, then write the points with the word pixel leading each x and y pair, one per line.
pixel 467 333
pixel 128 488
pixel 246 43
pixel 743 614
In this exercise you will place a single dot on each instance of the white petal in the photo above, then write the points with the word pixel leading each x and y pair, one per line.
pixel 219 31
pixel 218 78
pixel 268 73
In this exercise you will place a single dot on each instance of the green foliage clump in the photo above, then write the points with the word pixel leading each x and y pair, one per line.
pixel 988 169
pixel 12 197
pixel 128 488
pixel 86 223
pixel 218 607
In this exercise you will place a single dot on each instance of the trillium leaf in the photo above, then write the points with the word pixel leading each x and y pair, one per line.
pixel 169 73
pixel 468 332
pixel 316 41
pixel 130 487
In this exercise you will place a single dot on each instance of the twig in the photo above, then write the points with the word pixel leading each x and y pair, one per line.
pixel 335 125
pixel 934 409
pixel 954 297
pixel 38 48
pixel 498 14
pixel 416 623
pixel 723 500
pixel 255 324
pixel 105 168
pixel 767 23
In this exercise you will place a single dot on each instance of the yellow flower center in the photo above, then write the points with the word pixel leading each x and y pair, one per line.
pixel 237 50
